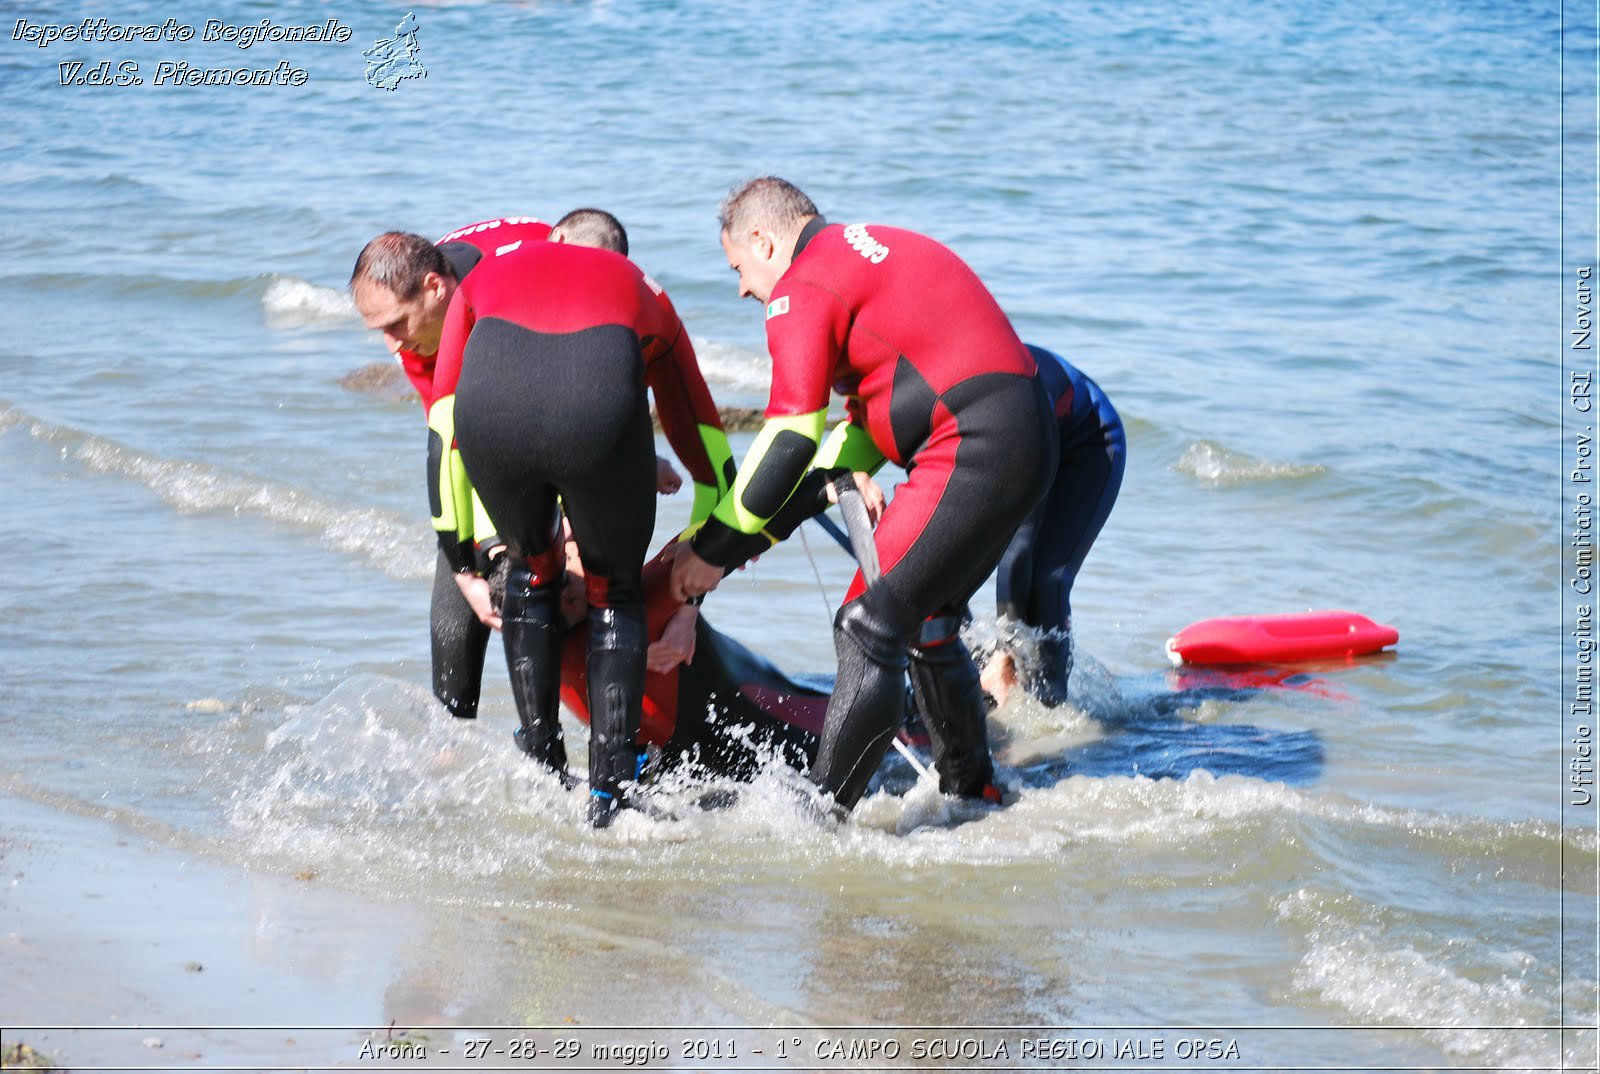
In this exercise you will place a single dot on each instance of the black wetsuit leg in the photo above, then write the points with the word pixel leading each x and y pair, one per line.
pixel 531 627
pixel 952 530
pixel 870 636
pixel 944 681
pixel 539 415
pixel 1034 582
pixel 459 643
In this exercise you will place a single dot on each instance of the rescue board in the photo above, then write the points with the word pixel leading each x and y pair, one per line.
pixel 1277 639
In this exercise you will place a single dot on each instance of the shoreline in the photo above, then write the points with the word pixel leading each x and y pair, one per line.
pixel 123 951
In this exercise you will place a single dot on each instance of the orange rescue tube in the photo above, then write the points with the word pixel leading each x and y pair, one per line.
pixel 1271 639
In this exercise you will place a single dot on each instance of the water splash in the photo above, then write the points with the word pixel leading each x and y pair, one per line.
pixel 290 302
pixel 1212 464
pixel 388 541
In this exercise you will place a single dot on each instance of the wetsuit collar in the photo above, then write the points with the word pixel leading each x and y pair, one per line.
pixel 462 257
pixel 809 232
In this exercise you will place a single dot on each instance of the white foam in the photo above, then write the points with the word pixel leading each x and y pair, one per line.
pixel 377 777
pixel 726 365
pixel 393 543
pixel 290 301
pixel 382 750
pixel 1384 970
pixel 1213 464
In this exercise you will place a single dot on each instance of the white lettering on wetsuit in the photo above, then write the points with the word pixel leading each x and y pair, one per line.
pixel 486 226
pixel 864 244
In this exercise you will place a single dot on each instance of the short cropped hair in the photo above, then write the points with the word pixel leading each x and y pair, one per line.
pixel 766 201
pixel 595 227
pixel 399 260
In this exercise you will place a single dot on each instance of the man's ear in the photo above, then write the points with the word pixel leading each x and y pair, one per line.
pixel 556 235
pixel 761 242
pixel 436 285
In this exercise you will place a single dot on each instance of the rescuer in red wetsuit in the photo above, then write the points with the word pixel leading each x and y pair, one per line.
pixel 935 380
pixel 411 316
pixel 539 393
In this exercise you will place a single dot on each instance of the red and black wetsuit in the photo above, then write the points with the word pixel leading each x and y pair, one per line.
pixel 722 711
pixel 936 380
pixel 458 638
pixel 463 249
pixel 539 393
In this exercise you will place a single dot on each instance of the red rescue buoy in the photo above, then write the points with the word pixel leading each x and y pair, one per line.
pixel 1270 639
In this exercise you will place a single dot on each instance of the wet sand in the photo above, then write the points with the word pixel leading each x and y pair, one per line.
pixel 123 951
pixel 119 951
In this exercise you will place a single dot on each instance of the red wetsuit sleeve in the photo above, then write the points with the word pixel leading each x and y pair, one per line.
pixel 807 326
pixel 683 402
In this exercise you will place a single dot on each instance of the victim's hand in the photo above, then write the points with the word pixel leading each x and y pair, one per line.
pixel 691 575
pixel 476 590
pixel 676 644
pixel 870 492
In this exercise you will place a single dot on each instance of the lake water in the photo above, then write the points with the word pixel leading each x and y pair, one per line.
pixel 1310 250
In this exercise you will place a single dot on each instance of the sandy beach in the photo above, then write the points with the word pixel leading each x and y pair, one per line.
pixel 1332 264
pixel 124 940
pixel 124 951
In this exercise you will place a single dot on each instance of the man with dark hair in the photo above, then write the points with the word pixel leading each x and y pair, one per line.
pixel 592 227
pixel 935 380
pixel 402 284
pixel 539 393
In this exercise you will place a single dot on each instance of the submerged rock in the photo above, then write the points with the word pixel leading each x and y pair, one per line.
pixel 381 380
pixel 20 1056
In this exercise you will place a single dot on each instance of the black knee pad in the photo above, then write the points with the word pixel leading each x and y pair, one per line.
pixel 878 626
